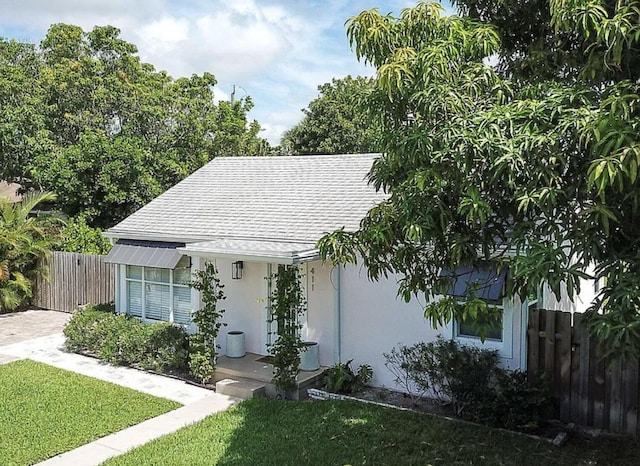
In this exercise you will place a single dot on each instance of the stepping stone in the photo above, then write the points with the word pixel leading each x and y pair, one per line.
pixel 240 388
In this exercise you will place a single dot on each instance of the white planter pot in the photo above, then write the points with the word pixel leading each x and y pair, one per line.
pixel 310 357
pixel 235 344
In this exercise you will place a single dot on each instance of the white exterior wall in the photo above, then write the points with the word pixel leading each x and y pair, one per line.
pixel 320 325
pixel 579 303
pixel 244 304
pixel 374 320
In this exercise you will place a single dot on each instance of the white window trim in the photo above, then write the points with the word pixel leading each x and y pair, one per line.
pixel 144 282
pixel 504 346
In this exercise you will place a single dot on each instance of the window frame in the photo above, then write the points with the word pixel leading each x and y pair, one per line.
pixel 504 347
pixel 172 284
pixel 457 326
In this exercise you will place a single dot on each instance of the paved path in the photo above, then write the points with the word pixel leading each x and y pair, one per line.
pixel 21 326
pixel 36 335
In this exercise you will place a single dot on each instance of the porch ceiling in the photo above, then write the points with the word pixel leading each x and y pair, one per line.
pixel 254 250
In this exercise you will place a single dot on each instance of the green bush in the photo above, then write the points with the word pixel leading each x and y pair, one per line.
pixel 200 359
pixel 410 367
pixel 123 340
pixel 463 375
pixel 520 403
pixel 166 348
pixel 470 380
pixel 340 378
pixel 81 331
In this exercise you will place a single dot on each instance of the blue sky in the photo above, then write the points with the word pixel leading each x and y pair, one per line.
pixel 276 51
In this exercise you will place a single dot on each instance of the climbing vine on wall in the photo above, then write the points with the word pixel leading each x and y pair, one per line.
pixel 203 346
pixel 288 304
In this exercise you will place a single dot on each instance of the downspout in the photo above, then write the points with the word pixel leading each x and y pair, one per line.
pixel 337 323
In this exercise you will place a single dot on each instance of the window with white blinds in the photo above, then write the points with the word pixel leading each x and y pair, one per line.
pixel 159 294
pixel 134 298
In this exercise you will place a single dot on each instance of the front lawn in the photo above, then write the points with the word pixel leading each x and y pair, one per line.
pixel 45 411
pixel 269 432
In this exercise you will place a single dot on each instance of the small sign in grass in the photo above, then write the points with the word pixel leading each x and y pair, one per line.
pixel 45 411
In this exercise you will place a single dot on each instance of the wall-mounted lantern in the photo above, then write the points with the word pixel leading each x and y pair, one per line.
pixel 236 270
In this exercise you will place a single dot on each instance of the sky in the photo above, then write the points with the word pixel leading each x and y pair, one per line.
pixel 276 51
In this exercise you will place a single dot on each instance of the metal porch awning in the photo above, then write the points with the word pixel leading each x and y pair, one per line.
pixel 254 250
pixel 145 253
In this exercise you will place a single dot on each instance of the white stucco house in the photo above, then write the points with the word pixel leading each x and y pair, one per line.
pixel 248 214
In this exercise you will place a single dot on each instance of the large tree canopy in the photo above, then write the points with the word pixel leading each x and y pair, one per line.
pixel 336 121
pixel 83 117
pixel 532 165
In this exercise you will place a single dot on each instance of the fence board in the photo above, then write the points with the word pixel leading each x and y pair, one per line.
pixel 533 354
pixel 575 398
pixel 598 386
pixel 550 351
pixel 584 343
pixel 614 389
pixel 75 280
pixel 589 389
pixel 630 403
pixel 563 362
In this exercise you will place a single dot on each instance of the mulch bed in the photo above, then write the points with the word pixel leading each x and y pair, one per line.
pixel 549 431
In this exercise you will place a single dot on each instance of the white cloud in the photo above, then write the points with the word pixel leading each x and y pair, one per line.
pixel 164 35
pixel 278 51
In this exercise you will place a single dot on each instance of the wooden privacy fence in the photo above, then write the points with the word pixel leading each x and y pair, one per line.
pixel 589 390
pixel 74 280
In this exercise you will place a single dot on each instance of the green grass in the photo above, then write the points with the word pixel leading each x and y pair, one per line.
pixel 45 411
pixel 268 432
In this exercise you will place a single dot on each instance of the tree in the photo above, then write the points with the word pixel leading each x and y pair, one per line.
pixel 537 173
pixel 77 236
pixel 85 118
pixel 335 122
pixel 25 240
pixel 20 120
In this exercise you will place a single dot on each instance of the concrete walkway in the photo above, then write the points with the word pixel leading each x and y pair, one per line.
pixel 49 349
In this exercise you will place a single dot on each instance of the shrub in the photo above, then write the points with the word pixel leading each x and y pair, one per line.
pixel 166 348
pixel 340 378
pixel 462 375
pixel 80 331
pixel 520 403
pixel 123 340
pixel 410 366
pixel 203 346
pixel 200 363
pixel 469 379
pixel 288 303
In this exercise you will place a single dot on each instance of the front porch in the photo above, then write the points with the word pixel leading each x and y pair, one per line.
pixel 255 368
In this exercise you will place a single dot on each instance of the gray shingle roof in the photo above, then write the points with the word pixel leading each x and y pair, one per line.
pixel 295 199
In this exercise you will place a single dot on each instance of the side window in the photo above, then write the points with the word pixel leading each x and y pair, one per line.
pixel 499 338
pixel 159 294
pixel 467 329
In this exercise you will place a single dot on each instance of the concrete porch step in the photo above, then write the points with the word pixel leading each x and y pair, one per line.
pixel 240 388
